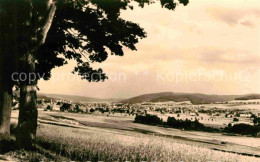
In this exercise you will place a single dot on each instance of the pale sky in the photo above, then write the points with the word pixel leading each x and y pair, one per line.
pixel 209 46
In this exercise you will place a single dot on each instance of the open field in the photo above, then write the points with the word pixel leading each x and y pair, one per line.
pixel 251 107
pixel 101 137
pixel 214 115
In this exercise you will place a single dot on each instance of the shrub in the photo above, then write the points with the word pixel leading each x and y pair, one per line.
pixel 235 120
pixel 92 110
pixel 77 109
pixel 244 129
pixel 174 123
pixel 48 108
pixel 185 124
pixel 148 119
pixel 253 116
pixel 65 106
pixel 256 121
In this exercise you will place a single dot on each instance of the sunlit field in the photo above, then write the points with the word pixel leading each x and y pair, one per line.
pixel 96 144
pixel 98 137
pixel 94 137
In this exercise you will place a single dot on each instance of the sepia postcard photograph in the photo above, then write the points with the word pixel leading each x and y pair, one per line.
pixel 129 80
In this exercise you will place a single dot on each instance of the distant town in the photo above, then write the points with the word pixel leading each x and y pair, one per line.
pixel 217 115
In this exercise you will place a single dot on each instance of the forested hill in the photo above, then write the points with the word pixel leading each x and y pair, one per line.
pixel 76 98
pixel 249 97
pixel 195 98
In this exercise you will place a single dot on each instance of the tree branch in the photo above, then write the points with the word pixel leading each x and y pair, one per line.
pixel 81 54
pixel 51 7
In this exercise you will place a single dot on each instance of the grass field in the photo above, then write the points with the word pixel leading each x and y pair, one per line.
pixel 81 137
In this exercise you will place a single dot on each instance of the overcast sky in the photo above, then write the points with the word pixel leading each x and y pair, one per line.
pixel 209 46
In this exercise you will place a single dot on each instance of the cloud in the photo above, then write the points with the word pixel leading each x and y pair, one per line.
pixel 247 23
pixel 232 16
pixel 198 37
pixel 206 54
pixel 229 56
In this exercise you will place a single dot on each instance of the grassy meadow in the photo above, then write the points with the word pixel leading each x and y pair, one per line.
pixel 95 144
pixel 95 137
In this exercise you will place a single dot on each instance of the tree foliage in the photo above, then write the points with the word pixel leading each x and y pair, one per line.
pixel 38 35
pixel 88 32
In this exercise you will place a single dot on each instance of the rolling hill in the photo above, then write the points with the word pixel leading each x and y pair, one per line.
pixel 195 98
pixel 249 97
pixel 76 98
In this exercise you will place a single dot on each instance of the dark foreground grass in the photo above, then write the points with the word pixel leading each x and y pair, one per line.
pixel 7 143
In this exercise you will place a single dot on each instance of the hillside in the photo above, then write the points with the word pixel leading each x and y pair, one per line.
pixel 195 98
pixel 75 98
pixel 249 97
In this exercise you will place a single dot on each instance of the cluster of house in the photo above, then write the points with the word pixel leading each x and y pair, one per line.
pixel 64 105
pixel 247 102
pixel 184 108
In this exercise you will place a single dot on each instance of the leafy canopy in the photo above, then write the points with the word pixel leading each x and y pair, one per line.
pixel 88 31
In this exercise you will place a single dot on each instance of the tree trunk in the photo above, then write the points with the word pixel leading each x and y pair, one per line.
pixel 7 66
pixel 37 23
pixel 6 84
pixel 5 107
pixel 28 113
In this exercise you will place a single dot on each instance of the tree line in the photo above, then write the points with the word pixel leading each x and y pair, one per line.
pixel 244 129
